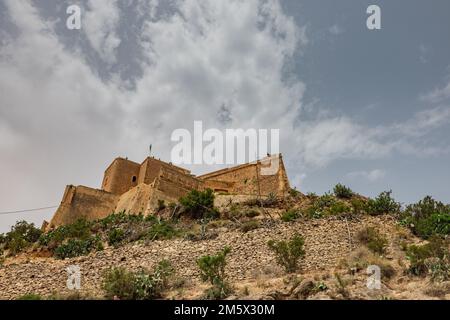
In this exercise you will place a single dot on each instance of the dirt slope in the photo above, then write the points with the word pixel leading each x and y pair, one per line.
pixel 251 267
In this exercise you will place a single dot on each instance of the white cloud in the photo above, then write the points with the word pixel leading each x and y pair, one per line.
pixel 438 94
pixel 423 53
pixel 60 111
pixel 71 123
pixel 372 175
pixel 100 23
pixel 210 55
pixel 325 140
pixel 424 121
pixel 336 30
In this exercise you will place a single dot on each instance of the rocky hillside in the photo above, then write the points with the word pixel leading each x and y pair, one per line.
pixel 333 265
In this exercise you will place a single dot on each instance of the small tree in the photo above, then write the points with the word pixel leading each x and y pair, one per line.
pixel 212 269
pixel 21 236
pixel 342 191
pixel 427 217
pixel 383 204
pixel 199 204
pixel 288 252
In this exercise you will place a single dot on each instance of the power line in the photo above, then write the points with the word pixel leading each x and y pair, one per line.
pixel 28 210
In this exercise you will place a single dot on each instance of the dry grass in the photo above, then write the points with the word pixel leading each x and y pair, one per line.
pixel 362 257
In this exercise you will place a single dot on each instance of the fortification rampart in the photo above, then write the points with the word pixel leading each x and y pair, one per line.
pixel 137 188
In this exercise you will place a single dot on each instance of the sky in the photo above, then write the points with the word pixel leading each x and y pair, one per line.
pixel 367 108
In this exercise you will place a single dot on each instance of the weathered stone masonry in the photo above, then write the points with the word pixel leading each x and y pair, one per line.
pixel 136 188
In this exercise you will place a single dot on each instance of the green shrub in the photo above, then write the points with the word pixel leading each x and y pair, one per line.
pixel 199 204
pixel 21 236
pixel 438 268
pixel 427 217
pixel 293 192
pixel 320 207
pixel 151 286
pixel 326 205
pixel 358 206
pixel 288 252
pixel 115 236
pixel 252 213
pixel 81 229
pixel 120 218
pixel 119 283
pixel 314 212
pixel 383 204
pixel 141 285
pixel 75 247
pixel 432 258
pixel 312 195
pixel 324 201
pixel 161 230
pixel 338 208
pixel 290 215
pixel 249 225
pixel 84 236
pixel 435 224
pixel 427 207
pixel 374 241
pixel 212 270
pixel 30 296
pixel 342 191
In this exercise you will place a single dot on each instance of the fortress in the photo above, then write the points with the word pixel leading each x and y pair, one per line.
pixel 137 188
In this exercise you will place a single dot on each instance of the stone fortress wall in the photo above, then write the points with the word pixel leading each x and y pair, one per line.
pixel 136 188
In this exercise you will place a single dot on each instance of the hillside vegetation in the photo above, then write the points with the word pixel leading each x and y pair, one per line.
pixel 298 247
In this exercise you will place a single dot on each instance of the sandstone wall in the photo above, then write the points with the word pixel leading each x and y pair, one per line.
pixel 169 185
pixel 83 202
pixel 247 179
pixel 151 167
pixel 136 200
pixel 176 184
pixel 121 176
pixel 219 186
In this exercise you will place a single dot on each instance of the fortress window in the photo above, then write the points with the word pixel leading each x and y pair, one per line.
pixel 134 179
